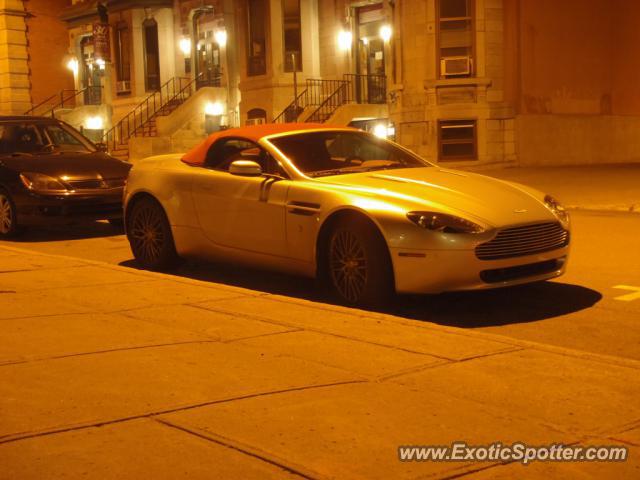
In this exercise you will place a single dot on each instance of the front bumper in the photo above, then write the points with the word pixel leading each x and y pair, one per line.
pixel 437 271
pixel 34 209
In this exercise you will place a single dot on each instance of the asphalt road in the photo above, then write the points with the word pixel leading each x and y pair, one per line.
pixel 582 310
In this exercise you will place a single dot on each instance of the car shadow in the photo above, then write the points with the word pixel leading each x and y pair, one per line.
pixel 519 304
pixel 56 233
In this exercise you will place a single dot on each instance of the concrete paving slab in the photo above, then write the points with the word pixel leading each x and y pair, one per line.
pixel 25 305
pixel 355 356
pixel 79 276
pixel 140 449
pixel 90 389
pixel 354 431
pixel 221 326
pixel 13 261
pixel 137 294
pixel 371 329
pixel 576 395
pixel 28 339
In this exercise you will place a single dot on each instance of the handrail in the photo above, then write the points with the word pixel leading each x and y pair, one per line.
pixel 330 104
pixel 366 88
pixel 286 114
pixel 172 90
pixel 89 92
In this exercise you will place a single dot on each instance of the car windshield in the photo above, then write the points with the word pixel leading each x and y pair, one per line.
pixel 41 138
pixel 324 153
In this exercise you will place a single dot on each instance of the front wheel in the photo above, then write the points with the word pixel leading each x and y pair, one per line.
pixel 150 237
pixel 8 216
pixel 358 266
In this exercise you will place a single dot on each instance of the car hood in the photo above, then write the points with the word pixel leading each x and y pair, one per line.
pixel 74 165
pixel 495 202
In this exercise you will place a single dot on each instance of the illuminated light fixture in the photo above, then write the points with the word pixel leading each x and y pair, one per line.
pixel 365 41
pixel 213 108
pixel 94 123
pixel 385 33
pixel 221 37
pixel 185 46
pixel 380 130
pixel 73 65
pixel 344 40
pixel 101 63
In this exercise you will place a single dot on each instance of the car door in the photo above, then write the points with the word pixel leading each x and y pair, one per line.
pixel 246 213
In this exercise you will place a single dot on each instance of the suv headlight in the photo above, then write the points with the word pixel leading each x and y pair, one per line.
pixel 556 207
pixel 442 222
pixel 38 182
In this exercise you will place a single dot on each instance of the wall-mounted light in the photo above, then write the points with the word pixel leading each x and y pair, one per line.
pixel 221 37
pixel 213 108
pixel 385 33
pixel 344 40
pixel 94 123
pixel 72 65
pixel 185 46
pixel 380 130
pixel 365 41
pixel 101 63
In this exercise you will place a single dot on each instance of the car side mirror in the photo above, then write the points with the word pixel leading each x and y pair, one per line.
pixel 245 168
pixel 101 147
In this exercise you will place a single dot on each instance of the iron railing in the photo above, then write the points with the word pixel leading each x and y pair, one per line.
pixel 68 98
pixel 171 93
pixel 331 103
pixel 366 88
pixel 292 111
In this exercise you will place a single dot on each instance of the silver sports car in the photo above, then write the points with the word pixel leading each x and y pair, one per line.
pixel 364 215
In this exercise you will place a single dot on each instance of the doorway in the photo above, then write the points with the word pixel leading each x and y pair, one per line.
pixel 370 55
pixel 151 55
pixel 208 66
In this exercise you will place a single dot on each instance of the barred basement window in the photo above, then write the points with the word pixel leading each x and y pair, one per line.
pixel 457 140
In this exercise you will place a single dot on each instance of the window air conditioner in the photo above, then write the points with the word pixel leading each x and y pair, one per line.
pixel 453 66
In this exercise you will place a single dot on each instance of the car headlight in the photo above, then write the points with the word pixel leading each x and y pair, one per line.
pixel 442 222
pixel 38 182
pixel 556 207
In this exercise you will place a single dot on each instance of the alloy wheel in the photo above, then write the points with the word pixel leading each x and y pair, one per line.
pixel 6 214
pixel 348 265
pixel 146 233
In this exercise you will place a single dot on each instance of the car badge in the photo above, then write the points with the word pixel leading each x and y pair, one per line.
pixel 521 210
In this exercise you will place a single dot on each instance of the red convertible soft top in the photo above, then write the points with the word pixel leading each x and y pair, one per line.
pixel 197 155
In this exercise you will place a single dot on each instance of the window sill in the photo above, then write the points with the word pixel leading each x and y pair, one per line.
pixel 457 82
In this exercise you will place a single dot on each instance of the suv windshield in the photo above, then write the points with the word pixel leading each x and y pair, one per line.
pixel 339 152
pixel 41 138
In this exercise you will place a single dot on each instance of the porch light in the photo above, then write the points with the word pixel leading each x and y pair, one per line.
pixel 344 40
pixel 185 46
pixel 213 108
pixel 101 63
pixel 221 37
pixel 380 130
pixel 94 123
pixel 72 65
pixel 385 33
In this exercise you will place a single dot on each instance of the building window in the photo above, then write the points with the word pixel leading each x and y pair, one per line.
pixel 123 58
pixel 257 60
pixel 256 116
pixel 457 140
pixel 456 45
pixel 292 35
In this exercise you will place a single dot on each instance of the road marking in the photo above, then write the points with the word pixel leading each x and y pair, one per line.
pixel 629 296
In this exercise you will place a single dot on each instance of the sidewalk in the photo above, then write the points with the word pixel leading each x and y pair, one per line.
pixel 587 187
pixel 108 372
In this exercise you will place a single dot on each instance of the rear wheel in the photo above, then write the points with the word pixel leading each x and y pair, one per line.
pixel 150 237
pixel 358 268
pixel 8 216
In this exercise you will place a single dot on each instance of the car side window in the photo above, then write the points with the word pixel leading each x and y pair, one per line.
pixel 20 138
pixel 226 151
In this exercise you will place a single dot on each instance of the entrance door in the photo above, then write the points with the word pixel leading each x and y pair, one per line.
pixel 371 54
pixel 208 62
pixel 151 55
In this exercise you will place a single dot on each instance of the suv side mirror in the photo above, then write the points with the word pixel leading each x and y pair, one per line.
pixel 245 168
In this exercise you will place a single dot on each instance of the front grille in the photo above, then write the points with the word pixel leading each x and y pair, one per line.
pixel 521 271
pixel 91 184
pixel 525 240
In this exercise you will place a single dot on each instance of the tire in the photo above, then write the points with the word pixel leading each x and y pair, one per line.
pixel 8 217
pixel 149 235
pixel 357 266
